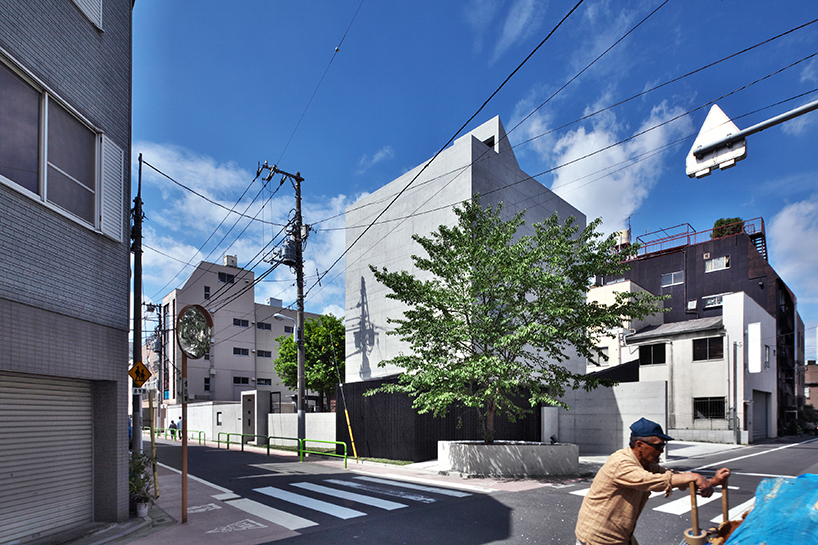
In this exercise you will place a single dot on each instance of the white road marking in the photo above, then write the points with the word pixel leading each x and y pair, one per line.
pixel 582 492
pixel 381 490
pixel 682 505
pixel 270 514
pixel 736 512
pixel 435 490
pixel 310 503
pixel 351 496
pixel 723 463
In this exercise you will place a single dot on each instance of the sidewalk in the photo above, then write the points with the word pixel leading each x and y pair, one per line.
pixel 217 516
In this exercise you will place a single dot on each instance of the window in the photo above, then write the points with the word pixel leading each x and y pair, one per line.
pixel 241 380
pixel 652 354
pixel 207 384
pixel 207 292
pixel 708 408
pixel 713 301
pixel 717 263
pixel 766 356
pixel 57 163
pixel 264 354
pixel 207 355
pixel 288 329
pixel 219 418
pixel 241 351
pixel 711 348
pixel 264 382
pixel 227 278
pixel 265 326
pixel 242 323
pixel 671 279
pixel 598 359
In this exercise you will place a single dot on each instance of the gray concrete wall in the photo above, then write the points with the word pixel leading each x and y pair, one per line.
pixel 318 426
pixel 466 168
pixel 599 421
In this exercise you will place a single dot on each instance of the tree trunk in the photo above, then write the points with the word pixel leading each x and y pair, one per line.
pixel 491 409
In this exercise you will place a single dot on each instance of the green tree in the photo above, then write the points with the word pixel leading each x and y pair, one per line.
pixel 324 357
pixel 500 314
pixel 724 227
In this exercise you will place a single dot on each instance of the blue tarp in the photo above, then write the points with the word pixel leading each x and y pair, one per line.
pixel 785 512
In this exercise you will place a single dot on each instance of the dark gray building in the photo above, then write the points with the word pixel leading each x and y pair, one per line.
pixel 696 270
pixel 65 139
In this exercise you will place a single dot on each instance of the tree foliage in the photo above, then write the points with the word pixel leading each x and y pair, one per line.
pixel 724 227
pixel 323 349
pixel 500 314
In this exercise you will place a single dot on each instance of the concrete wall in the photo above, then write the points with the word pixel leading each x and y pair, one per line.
pixel 204 416
pixel 318 426
pixel 598 421
pixel 468 167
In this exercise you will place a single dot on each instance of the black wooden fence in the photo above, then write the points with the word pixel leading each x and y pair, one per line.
pixel 386 425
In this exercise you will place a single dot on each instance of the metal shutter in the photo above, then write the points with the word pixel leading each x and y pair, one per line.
pixel 46 456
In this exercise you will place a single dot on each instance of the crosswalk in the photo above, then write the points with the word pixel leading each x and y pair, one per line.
pixel 681 506
pixel 320 499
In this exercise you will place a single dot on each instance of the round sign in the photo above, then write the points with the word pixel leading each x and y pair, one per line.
pixel 193 328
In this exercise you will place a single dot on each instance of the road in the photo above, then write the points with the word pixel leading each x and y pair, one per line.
pixel 322 504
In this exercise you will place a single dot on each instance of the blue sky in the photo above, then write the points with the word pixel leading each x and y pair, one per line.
pixel 221 86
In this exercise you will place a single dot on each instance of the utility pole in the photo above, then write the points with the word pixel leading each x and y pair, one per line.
pixel 136 248
pixel 298 263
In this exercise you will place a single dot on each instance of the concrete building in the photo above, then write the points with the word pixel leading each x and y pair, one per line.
pixel 65 140
pixel 811 384
pixel 731 339
pixel 243 340
pixel 379 229
pixel 480 162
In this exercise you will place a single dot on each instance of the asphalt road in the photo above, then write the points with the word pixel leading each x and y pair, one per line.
pixel 540 512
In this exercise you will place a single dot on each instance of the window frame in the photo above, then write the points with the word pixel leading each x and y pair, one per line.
pixel 709 403
pixel 653 348
pixel 241 322
pixel 108 160
pixel 243 352
pixel 713 265
pixel 673 278
pixel 264 326
pixel 709 341
pixel 264 353
pixel 241 381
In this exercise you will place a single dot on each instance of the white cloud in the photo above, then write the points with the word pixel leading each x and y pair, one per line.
pixel 793 234
pixel 810 71
pixel 383 154
pixel 614 183
pixel 479 15
pixel 524 19
pixel 179 223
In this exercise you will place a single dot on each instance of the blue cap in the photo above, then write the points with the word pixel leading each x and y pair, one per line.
pixel 647 428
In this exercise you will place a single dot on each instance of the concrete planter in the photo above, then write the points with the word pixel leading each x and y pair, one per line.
pixel 508 458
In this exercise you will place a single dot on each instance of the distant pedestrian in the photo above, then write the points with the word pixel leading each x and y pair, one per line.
pixel 172 428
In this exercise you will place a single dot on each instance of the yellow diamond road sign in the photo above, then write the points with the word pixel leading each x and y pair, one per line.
pixel 139 373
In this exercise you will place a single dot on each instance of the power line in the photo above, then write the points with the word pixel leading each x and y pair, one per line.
pixel 402 191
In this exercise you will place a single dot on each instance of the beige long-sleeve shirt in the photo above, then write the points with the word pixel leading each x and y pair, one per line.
pixel 618 494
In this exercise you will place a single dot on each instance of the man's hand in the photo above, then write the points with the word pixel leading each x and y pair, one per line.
pixel 720 476
pixel 704 486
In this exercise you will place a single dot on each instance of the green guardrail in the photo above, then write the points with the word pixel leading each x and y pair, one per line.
pixel 176 435
pixel 304 449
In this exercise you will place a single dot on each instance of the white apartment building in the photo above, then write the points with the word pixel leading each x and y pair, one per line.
pixel 243 346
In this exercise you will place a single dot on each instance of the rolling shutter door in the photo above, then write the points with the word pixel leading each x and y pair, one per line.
pixel 46 456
